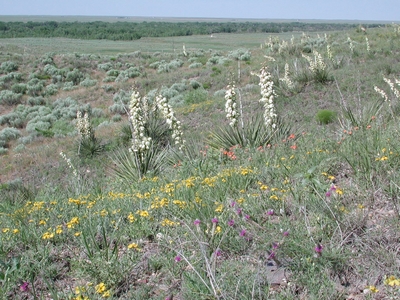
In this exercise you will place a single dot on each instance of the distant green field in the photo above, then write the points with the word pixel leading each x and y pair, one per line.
pixel 164 44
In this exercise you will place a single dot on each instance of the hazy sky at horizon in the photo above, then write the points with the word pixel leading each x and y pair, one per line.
pixel 383 10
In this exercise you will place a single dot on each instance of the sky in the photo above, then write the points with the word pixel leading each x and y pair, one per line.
pixel 374 10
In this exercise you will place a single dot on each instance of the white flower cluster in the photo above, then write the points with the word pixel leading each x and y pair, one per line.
pixel 69 163
pixel 286 79
pixel 329 52
pixel 392 86
pixel 231 106
pixel 351 45
pixel 367 42
pixel 171 120
pixel 382 93
pixel 140 142
pixel 83 125
pixel 267 97
pixel 317 64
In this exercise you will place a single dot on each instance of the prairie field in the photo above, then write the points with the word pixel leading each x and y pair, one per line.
pixel 224 166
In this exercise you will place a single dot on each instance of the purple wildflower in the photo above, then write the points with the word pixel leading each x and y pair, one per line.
pixel 247 217
pixel 178 258
pixel 271 255
pixel 285 233
pixel 214 220
pixel 242 232
pixel 239 211
pixel 24 287
pixel 196 222
pixel 270 212
pixel 231 222
pixel 318 248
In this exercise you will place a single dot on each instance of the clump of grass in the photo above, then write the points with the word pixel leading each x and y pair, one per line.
pixel 325 116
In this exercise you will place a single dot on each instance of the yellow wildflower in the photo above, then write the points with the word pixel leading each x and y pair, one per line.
pixel 143 213
pixel 106 294
pixel 219 208
pixel 100 288
pixel 133 246
pixel 373 289
pixel 131 218
pixel 47 235
pixel 339 191
pixel 392 281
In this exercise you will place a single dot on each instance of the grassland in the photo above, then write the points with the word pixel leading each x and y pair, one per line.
pixel 306 210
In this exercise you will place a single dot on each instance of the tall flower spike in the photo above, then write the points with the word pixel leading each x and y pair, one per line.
pixel 140 142
pixel 267 97
pixel 231 106
pixel 171 120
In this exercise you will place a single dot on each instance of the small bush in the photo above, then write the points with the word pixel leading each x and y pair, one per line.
pixel 112 73
pixel 117 108
pixel 35 87
pixel 195 65
pixel 10 98
pixel 75 76
pixel 9 66
pixel 108 88
pixel 19 88
pixel 325 116
pixel 36 101
pixel 116 118
pixel 196 96
pixel 88 82
pixel 51 89
pixel 104 67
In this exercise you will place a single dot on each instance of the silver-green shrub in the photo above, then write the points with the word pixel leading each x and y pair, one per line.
pixel 35 86
pixel 19 88
pixel 112 73
pixel 8 97
pixel 75 76
pixel 195 65
pixel 51 89
pixel 117 108
pixel 122 97
pixel 240 54
pixel 8 66
pixel 9 133
pixel 109 79
pixel 104 67
pixel 87 82
pixel 36 101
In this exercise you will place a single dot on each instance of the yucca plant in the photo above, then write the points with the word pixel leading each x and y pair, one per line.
pixel 131 166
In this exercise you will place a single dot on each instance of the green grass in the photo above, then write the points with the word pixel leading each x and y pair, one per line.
pixel 309 212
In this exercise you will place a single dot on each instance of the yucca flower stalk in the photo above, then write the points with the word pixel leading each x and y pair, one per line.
pixel 286 79
pixel 140 142
pixel 267 97
pixel 367 42
pixel 232 113
pixel 392 86
pixel 317 67
pixel 171 120
pixel 351 45
pixel 83 125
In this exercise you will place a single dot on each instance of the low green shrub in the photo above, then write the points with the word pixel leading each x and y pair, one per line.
pixel 325 116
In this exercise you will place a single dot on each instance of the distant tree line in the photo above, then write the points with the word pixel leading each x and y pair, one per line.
pixel 134 31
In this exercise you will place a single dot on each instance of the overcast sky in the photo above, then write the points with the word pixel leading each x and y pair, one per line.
pixel 380 10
